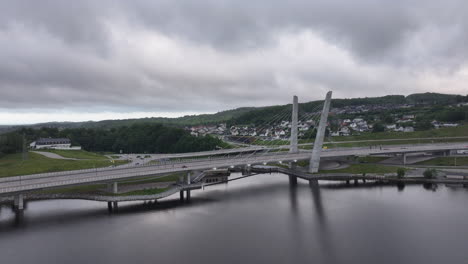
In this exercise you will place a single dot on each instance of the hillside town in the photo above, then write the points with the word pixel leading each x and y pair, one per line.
pixel 337 126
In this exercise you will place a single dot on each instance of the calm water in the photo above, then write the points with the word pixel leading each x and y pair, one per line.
pixel 255 220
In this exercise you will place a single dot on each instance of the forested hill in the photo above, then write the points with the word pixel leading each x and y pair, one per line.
pixel 137 138
pixel 261 115
pixel 257 114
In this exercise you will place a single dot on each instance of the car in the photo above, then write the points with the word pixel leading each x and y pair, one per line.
pixel 184 166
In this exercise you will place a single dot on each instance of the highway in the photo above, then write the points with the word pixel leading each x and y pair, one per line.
pixel 257 148
pixel 17 184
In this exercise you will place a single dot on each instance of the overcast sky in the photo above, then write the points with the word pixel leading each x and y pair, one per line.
pixel 94 60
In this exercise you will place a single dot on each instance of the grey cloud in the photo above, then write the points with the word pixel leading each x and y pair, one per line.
pixel 59 54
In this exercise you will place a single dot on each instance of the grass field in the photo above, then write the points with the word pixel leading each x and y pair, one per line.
pixel 400 138
pixel 370 159
pixel 364 168
pixel 76 154
pixel 76 189
pixel 460 131
pixel 143 192
pixel 13 165
pixel 446 161
pixel 169 178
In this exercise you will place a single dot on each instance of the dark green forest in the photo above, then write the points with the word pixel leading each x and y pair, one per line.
pixel 421 102
pixel 138 138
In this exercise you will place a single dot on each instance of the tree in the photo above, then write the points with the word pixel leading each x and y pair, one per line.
pixel 423 125
pixel 387 119
pixel 430 173
pixel 401 173
pixel 378 127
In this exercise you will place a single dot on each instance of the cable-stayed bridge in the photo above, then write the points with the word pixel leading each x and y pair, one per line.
pixel 245 157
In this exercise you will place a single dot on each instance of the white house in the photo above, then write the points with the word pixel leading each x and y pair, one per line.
pixel 408 129
pixel 52 143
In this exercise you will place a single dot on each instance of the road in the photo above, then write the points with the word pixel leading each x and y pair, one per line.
pixel 258 148
pixel 14 184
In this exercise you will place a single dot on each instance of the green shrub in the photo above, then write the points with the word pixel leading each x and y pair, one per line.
pixel 401 173
pixel 430 173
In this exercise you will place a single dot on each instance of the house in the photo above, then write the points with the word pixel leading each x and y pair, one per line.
pixel 52 143
pixel 407 117
pixel 408 129
pixel 345 131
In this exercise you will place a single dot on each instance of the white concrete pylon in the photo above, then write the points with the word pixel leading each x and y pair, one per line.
pixel 295 110
pixel 317 150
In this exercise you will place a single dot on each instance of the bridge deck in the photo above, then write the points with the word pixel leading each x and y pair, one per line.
pixel 17 184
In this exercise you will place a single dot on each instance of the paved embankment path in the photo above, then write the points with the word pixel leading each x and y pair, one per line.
pixel 91 197
pixel 52 155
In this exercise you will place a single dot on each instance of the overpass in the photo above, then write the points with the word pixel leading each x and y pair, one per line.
pixel 17 185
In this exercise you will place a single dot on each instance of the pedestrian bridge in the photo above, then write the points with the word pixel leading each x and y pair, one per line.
pixel 17 185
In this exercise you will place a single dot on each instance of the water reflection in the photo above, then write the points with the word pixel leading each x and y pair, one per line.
pixel 261 219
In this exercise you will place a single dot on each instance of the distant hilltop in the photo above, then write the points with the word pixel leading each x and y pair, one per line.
pixel 244 114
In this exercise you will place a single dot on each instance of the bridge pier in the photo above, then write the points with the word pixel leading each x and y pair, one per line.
pixel 292 180
pixel 313 183
pixel 181 194
pixel 355 181
pixel 317 149
pixel 188 183
pixel 18 202
pixel 115 206
pixel 246 170
pixel 404 158
pixel 113 187
pixel 295 110
pixel 109 206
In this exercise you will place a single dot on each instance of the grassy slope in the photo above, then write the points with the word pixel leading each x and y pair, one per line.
pixel 76 154
pixel 405 138
pixel 97 188
pixel 364 168
pixel 143 192
pixel 459 131
pixel 13 165
pixel 445 161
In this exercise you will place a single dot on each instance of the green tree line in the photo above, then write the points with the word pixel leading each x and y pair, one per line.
pixel 137 138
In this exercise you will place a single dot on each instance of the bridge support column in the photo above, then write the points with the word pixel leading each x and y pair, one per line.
pixel 18 202
pixel 181 193
pixel 188 181
pixel 295 110
pixel 404 158
pixel 317 149
pixel 292 180
pixel 113 187
pixel 347 182
pixel 115 206
pixel 246 170
pixel 109 206
pixel 313 183
pixel 355 181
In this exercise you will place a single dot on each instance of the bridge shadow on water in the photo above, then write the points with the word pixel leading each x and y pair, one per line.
pixel 11 221
pixel 322 233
